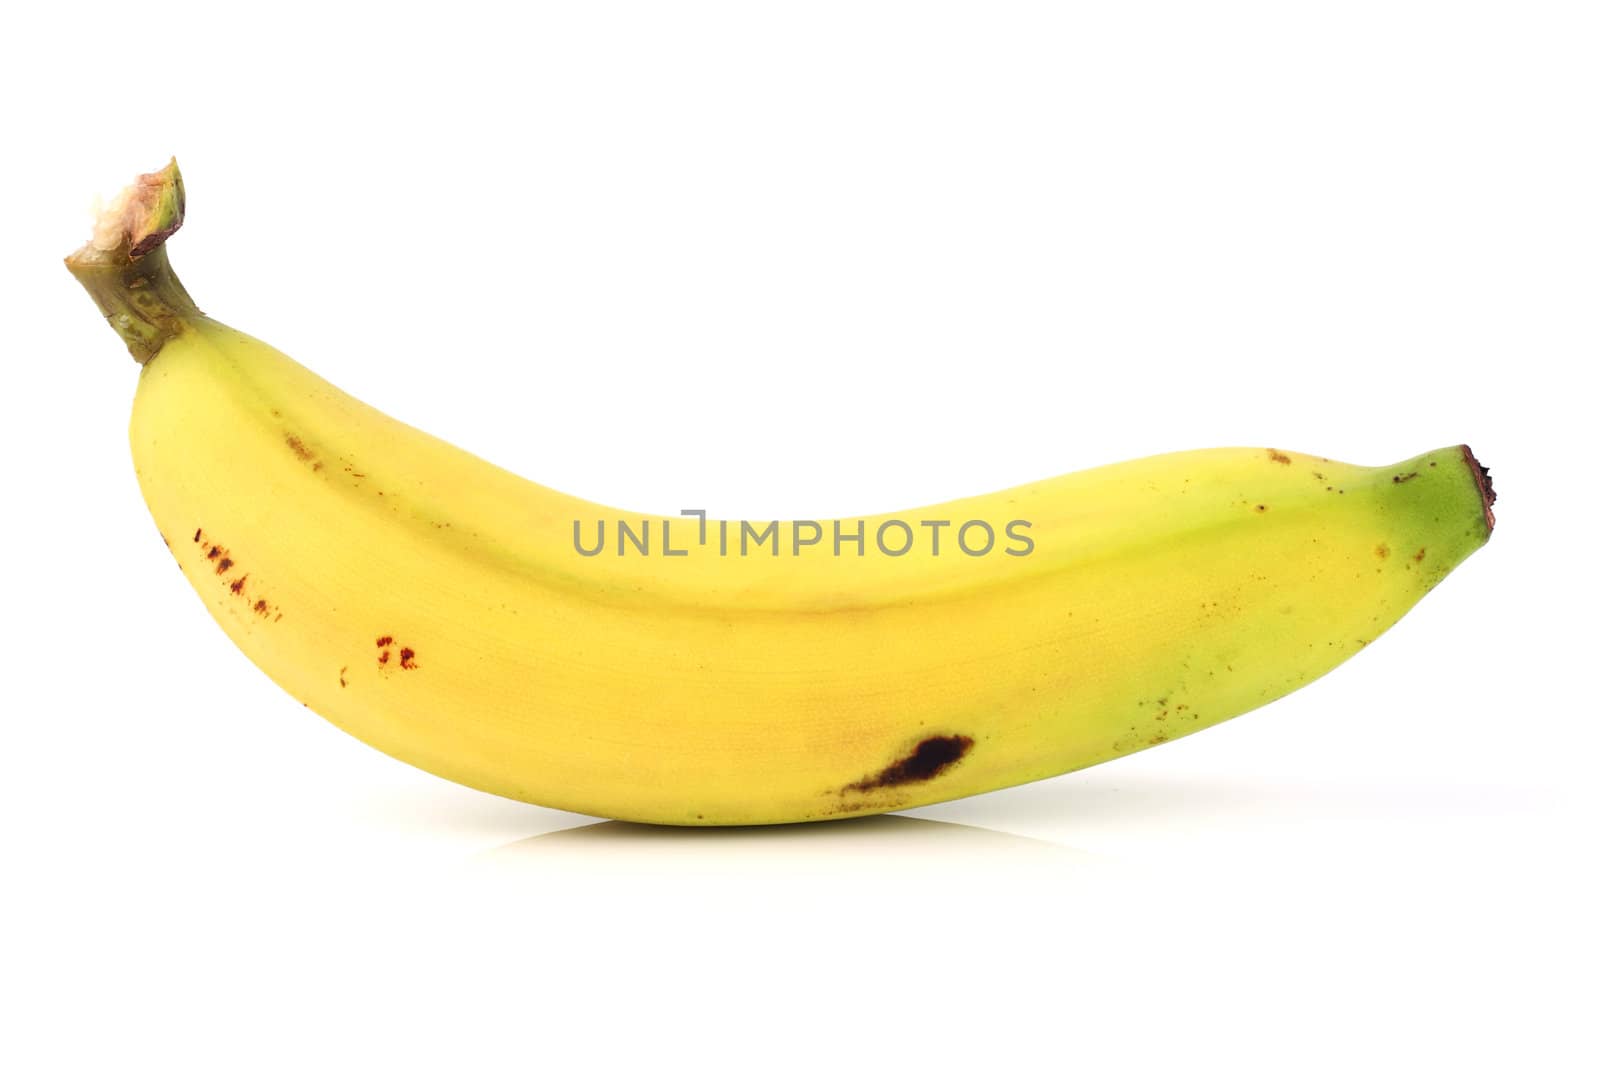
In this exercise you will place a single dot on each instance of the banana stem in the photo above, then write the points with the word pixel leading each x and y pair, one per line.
pixel 125 269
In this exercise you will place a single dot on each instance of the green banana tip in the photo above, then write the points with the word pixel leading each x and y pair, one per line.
pixel 1480 474
pixel 136 222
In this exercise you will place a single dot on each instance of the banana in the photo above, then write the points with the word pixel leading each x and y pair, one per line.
pixel 690 671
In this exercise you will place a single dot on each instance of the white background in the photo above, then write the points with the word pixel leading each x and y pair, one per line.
pixel 819 259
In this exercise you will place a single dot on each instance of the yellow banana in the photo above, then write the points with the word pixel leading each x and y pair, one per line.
pixel 690 671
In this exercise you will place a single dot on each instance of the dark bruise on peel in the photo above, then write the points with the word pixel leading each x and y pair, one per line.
pixel 931 758
pixel 1278 457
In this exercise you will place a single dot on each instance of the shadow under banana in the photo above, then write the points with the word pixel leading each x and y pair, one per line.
pixel 896 842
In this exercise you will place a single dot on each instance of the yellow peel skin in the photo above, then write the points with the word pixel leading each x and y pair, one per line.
pixel 435 606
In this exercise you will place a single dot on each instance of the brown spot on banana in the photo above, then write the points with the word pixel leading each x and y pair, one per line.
pixel 931 758
pixel 298 447
pixel 407 656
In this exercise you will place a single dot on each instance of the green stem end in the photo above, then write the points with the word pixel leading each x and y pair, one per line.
pixel 124 265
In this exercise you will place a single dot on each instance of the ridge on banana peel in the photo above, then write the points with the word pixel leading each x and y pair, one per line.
pixel 448 612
